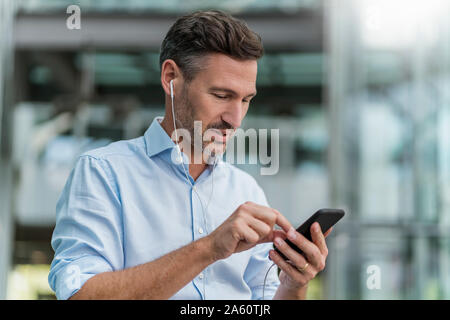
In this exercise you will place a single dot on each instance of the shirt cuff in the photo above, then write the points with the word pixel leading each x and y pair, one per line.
pixel 74 275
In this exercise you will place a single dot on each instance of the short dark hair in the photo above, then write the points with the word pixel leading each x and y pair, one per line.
pixel 197 34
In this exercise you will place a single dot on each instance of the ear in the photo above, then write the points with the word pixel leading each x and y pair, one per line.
pixel 169 71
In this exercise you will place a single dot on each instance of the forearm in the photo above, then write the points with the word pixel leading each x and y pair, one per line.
pixel 284 293
pixel 158 279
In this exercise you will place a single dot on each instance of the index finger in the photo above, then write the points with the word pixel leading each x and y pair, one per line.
pixel 282 221
pixel 263 213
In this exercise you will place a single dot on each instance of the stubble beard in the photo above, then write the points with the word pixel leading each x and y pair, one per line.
pixel 186 117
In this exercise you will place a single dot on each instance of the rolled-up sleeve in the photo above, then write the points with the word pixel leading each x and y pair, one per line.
pixel 259 264
pixel 88 235
pixel 256 271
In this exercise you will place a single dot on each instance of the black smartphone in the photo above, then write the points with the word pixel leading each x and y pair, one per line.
pixel 326 219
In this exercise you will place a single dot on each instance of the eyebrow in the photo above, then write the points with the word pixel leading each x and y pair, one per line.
pixel 231 91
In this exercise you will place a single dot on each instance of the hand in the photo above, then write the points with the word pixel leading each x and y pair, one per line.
pixel 315 253
pixel 249 225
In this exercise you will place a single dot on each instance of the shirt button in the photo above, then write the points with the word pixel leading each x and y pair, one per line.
pixel 200 230
pixel 200 276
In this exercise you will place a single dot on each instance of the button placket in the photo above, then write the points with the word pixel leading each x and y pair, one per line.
pixel 199 216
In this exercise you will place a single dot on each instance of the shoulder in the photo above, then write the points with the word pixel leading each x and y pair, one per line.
pixel 112 158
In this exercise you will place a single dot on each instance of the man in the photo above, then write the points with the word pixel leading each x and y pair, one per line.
pixel 132 223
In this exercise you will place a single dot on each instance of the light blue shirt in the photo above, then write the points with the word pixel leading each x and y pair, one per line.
pixel 128 203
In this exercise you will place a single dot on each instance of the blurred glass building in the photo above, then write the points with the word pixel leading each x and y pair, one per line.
pixel 359 89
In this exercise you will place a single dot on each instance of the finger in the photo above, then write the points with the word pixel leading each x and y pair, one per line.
pixel 328 232
pixel 318 238
pixel 266 214
pixel 311 251
pixel 291 271
pixel 248 238
pixel 263 212
pixel 296 258
pixel 282 221
pixel 275 233
pixel 260 227
pixel 250 235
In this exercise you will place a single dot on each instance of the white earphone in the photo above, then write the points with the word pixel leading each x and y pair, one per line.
pixel 179 158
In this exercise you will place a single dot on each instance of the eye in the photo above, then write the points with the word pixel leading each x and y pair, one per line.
pixel 221 97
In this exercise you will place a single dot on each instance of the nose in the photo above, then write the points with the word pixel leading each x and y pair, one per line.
pixel 233 115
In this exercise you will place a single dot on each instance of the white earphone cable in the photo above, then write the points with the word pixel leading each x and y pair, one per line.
pixel 265 279
pixel 187 178
pixel 184 169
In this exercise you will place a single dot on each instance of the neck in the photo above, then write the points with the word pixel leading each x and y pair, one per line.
pixel 195 170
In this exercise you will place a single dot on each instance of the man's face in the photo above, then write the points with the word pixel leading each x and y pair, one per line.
pixel 219 97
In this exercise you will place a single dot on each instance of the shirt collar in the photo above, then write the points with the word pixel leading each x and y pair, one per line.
pixel 157 140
